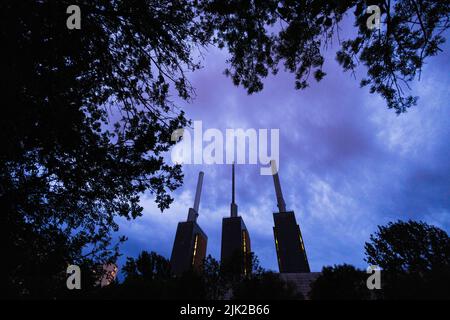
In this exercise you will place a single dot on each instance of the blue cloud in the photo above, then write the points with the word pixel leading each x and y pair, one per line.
pixel 347 164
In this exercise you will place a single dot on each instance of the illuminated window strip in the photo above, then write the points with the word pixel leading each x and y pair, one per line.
pixel 245 251
pixel 278 252
pixel 195 249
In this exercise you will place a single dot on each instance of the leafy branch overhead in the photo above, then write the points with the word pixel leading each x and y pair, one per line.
pixel 394 56
pixel 260 35
pixel 87 118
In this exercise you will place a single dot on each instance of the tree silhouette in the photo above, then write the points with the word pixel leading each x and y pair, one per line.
pixel 341 282
pixel 147 266
pixel 86 119
pixel 415 260
pixel 216 283
pixel 265 286
pixel 411 31
pixel 262 34
pixel 148 277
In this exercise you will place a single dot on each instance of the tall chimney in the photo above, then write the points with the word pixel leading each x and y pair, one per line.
pixel 193 212
pixel 276 181
pixel 234 207
pixel 198 192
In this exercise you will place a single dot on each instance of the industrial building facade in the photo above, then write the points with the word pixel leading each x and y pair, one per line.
pixel 291 252
pixel 236 247
pixel 189 249
pixel 235 253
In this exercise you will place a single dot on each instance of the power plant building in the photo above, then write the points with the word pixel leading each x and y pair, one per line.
pixel 236 247
pixel 189 248
pixel 291 253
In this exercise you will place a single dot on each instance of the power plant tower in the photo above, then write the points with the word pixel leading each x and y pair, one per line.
pixel 189 248
pixel 289 244
pixel 236 249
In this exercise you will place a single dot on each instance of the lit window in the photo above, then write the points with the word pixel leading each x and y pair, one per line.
pixel 195 249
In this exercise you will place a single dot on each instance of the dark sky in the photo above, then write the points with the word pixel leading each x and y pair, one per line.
pixel 347 163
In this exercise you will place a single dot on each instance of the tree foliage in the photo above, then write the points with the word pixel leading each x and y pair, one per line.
pixel 411 31
pixel 265 286
pixel 415 259
pixel 340 282
pixel 86 119
pixel 411 246
pixel 216 284
pixel 261 35
pixel 147 266
pixel 213 283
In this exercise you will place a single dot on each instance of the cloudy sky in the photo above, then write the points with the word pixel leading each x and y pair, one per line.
pixel 347 163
